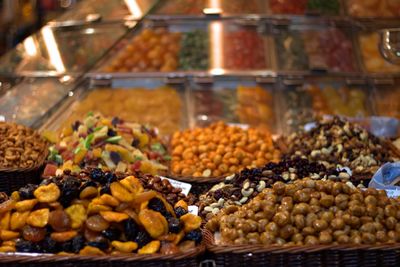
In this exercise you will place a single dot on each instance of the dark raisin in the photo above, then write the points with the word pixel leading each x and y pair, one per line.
pixel 26 192
pixel 76 125
pixel 179 211
pixel 48 245
pixel 115 157
pixel 77 243
pixel 97 175
pixel 110 177
pixel 25 246
pixel 142 239
pixel 103 245
pixel 195 236
pixel 87 184
pixel 69 190
pixel 112 234
pixel 174 225
pixel 135 142
pixel 131 229
pixel 105 189
pixel 111 132
pixel 115 121
pixel 157 204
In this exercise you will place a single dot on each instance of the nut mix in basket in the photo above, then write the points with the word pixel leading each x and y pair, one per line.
pixel 240 188
pixel 73 215
pixel 220 149
pixel 20 146
pixel 336 141
pixel 110 144
pixel 310 212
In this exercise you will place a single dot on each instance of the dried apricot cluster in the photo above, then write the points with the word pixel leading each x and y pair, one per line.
pixel 72 215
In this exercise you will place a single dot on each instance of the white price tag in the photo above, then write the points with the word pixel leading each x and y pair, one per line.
pixel 194 210
pixel 178 184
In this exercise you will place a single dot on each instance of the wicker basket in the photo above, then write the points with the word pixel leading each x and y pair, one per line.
pixel 189 258
pixel 310 255
pixel 14 179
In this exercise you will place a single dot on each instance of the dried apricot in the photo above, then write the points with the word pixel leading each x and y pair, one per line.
pixel 150 248
pixel 132 184
pixel 5 220
pixel 154 223
pixel 124 246
pixel 33 234
pixel 59 220
pixel 7 249
pixel 191 222
pixel 77 213
pixel 91 251
pixel 6 235
pixel 47 193
pixel 18 220
pixel 63 236
pixel 7 205
pixel 181 203
pixel 15 196
pixel 88 192
pixel 96 208
pixel 109 200
pixel 38 218
pixel 144 198
pixel 112 216
pixel 120 192
pixel 97 223
pixel 25 205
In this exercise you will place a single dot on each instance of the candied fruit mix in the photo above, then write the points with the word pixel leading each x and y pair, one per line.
pixel 111 144
pixel 56 217
pixel 310 212
pixel 300 7
pixel 135 104
pixel 220 149
pixel 373 8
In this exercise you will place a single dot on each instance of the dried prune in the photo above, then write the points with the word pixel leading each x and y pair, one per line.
pixel 105 189
pixel 156 204
pixel 179 211
pixel 110 177
pixel 142 239
pixel 131 229
pixel 48 245
pixel 77 243
pixel 69 190
pixel 111 132
pixel 111 234
pixel 115 157
pixel 195 236
pixel 103 245
pixel 97 175
pixel 26 192
pixel 25 246
pixel 174 225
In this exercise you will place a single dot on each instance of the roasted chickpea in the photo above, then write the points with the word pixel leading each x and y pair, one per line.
pixel 269 212
pixel 381 236
pixel 390 211
pixel 311 240
pixel 272 228
pixel 357 210
pixel 368 238
pixel 267 238
pixel 343 239
pixel 366 219
pixel 301 208
pixel 370 200
pixel 320 225
pixel 310 218
pixel 281 218
pixel 286 231
pixel 299 221
pixel 279 188
pixel 368 228
pixel 390 223
pixel 308 230
pixel 297 237
pixel 302 196
pixel 314 201
pixel 326 200
pixel 287 203
pixel 327 216
pixel 325 237
pixel 337 224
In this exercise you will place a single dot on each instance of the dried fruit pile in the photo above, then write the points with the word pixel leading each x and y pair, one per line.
pixel 110 144
pixel 335 141
pixel 240 188
pixel 20 146
pixel 310 212
pixel 66 214
pixel 220 149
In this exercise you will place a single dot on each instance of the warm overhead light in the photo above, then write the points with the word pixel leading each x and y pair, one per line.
pixel 216 31
pixel 134 8
pixel 52 49
pixel 30 46
pixel 89 31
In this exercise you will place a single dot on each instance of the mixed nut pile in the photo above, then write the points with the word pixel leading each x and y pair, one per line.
pixel 337 141
pixel 20 146
pixel 310 212
pixel 240 188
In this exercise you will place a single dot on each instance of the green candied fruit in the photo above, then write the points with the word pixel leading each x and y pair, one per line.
pixel 324 6
pixel 194 51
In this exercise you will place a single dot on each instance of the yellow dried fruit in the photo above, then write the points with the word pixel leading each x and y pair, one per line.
pixel 7 249
pixel 150 248
pixel 18 220
pixel 5 220
pixel 63 236
pixel 25 205
pixel 84 202
pixel 124 246
pixel 132 214
pixel 77 213
pixel 191 222
pixel 15 196
pixel 9 243
pixel 112 216
pixel 91 251
pixel 7 205
pixel 132 184
pixel 154 223
pixel 88 192
pixel 109 200
pixel 38 218
pixel 96 208
pixel 47 193
pixel 181 203
pixel 144 198
pixel 120 192
pixel 6 235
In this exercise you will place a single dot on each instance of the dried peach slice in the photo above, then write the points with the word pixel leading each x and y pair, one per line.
pixel 63 236
pixel 150 248
pixel 120 192
pixel 112 216
pixel 154 223
pixel 38 218
pixel 26 205
pixel 191 222
pixel 124 246
pixel 77 213
pixel 47 193
pixel 91 251
pixel 18 220
pixel 6 235
pixel 5 220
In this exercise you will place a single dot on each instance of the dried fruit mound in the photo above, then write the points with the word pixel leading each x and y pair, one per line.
pixel 240 188
pixel 336 141
pixel 310 212
pixel 111 144
pixel 72 215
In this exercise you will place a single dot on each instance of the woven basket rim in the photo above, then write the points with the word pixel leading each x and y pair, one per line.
pixel 25 257
pixel 277 249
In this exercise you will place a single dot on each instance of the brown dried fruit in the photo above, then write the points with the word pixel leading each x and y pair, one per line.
pixel 97 223
pixel 33 234
pixel 59 220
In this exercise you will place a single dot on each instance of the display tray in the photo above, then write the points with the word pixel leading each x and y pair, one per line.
pixel 194 46
pixel 55 51
pixel 307 255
